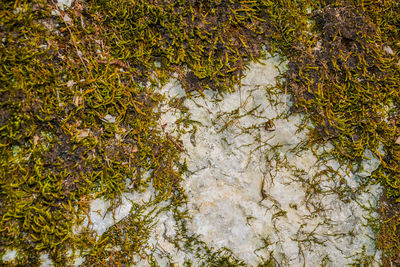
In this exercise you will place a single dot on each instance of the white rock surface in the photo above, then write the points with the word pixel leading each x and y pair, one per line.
pixel 101 218
pixel 109 118
pixel 45 260
pixel 369 164
pixel 240 144
pixel 64 4
pixel 302 218
pixel 9 255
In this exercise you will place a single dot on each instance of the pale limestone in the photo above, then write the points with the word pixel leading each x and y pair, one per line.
pixel 230 155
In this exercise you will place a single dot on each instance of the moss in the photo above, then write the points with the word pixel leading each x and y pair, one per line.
pixel 388 238
pixel 347 78
pixel 207 42
pixel 54 102
pixel 80 112
pixel 62 87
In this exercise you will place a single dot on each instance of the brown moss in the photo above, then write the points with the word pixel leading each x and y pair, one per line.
pixel 388 236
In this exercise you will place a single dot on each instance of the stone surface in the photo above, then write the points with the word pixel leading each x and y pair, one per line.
pixel 64 4
pixel 369 164
pixel 9 255
pixel 236 152
pixel 251 189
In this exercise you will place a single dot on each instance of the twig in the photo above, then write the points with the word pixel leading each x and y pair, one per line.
pixel 177 145
pixel 117 62
pixel 72 36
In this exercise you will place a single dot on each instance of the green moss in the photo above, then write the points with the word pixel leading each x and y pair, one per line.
pixel 346 79
pixel 53 110
pixel 81 116
pixel 61 87
pixel 206 42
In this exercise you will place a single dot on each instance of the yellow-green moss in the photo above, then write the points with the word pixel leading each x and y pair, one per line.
pixel 59 84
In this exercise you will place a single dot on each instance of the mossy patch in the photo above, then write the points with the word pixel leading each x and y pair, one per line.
pixel 79 117
pixel 80 129
pixel 347 80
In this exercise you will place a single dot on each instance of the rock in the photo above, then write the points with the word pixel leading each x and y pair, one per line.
pixel 369 164
pixel 299 208
pixel 109 118
pixel 9 255
pixel 64 4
